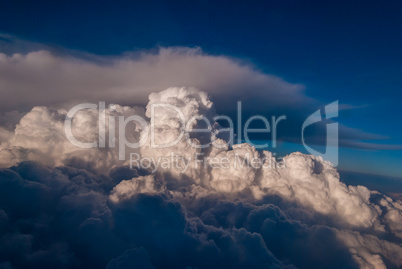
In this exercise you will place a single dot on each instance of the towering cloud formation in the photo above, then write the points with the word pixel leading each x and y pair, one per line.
pixel 71 207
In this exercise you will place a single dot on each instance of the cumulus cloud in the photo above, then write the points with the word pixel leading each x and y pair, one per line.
pixel 165 139
pixel 315 183
pixel 40 136
pixel 128 188
pixel 365 250
pixel 77 208
pixel 237 175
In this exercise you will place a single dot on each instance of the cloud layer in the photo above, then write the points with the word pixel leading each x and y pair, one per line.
pixel 49 79
pixel 62 206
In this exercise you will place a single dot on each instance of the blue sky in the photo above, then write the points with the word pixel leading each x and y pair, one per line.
pixel 339 50
pixel 110 204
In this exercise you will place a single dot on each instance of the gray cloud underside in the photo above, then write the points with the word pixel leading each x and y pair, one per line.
pixel 66 221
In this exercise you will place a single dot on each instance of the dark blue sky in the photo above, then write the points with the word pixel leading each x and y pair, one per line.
pixel 346 50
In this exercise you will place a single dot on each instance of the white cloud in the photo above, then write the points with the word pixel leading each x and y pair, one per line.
pixel 128 188
pixel 40 136
pixel 368 250
pixel 306 180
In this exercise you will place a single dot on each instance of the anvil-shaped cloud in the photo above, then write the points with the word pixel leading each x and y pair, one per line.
pixel 49 77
